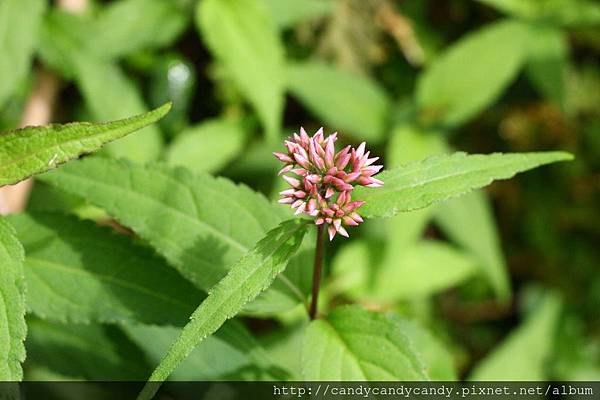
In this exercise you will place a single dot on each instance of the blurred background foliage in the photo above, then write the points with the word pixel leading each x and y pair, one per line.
pixel 506 276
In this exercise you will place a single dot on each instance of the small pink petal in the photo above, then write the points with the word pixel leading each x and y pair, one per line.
pixel 360 151
pixel 337 223
pixel 319 221
pixel 283 157
pixel 329 152
pixel 297 203
pixel 285 169
pixel 299 171
pixel 356 216
pixel 331 230
pixel 288 192
pixel 342 231
pixel 301 160
pixel 286 200
pixel 292 181
pixel 329 192
pixel 349 221
pixel 301 208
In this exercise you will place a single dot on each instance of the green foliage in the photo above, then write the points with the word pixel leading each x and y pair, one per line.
pixel 20 21
pixel 243 37
pixel 288 13
pixel 562 12
pixel 452 91
pixel 357 345
pixel 80 273
pixel 28 151
pixel 207 147
pixel 246 279
pixel 350 103
pixel 12 305
pixel 204 225
pixel 526 349
pixel 420 184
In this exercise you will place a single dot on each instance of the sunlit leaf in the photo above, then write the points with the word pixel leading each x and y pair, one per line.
pixel 439 178
pixel 32 150
pixel 352 344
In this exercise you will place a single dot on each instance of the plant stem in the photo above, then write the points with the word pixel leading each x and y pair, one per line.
pixel 317 273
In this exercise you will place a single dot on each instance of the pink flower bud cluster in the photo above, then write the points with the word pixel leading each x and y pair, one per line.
pixel 323 181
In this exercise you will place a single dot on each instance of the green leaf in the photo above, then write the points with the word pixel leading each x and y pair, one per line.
pixel 243 37
pixel 227 354
pixel 352 344
pixel 12 305
pixel 288 13
pixel 126 26
pixel 247 278
pixel 90 351
pixel 79 272
pixel 526 349
pixel 472 73
pixel 438 361
pixel 32 150
pixel 439 178
pixel 207 147
pixel 577 13
pixel 421 270
pixel 548 61
pixel 480 239
pixel 109 94
pixel 346 102
pixel 20 21
pixel 200 224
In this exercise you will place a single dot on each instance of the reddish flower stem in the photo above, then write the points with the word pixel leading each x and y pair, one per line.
pixel 318 266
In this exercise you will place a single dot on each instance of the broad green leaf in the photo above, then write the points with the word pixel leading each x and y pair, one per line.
pixel 439 178
pixel 228 354
pixel 526 349
pixel 109 94
pixel 32 150
pixel 83 351
pixel 421 270
pixel 353 104
pixel 469 222
pixel 243 37
pixel 558 12
pixel 12 305
pixel 199 223
pixel 126 26
pixel 288 13
pixel 207 147
pixel 472 73
pixel 548 61
pixel 19 25
pixel 438 361
pixel 352 344
pixel 247 279
pixel 79 272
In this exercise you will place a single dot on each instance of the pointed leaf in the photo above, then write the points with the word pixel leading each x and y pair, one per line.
pixel 243 37
pixel 439 178
pixel 352 344
pixel 472 73
pixel 20 20
pixel 32 150
pixel 247 279
pixel 79 272
pixel 199 223
pixel 12 305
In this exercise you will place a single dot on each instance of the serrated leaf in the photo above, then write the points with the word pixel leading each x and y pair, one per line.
pixel 78 272
pixel 526 349
pixel 12 305
pixel 199 223
pixel 421 270
pixel 346 102
pixel 352 344
pixel 247 279
pixel 227 354
pixel 83 351
pixel 469 222
pixel 207 147
pixel 110 94
pixel 243 37
pixel 32 150
pixel 472 73
pixel 439 178
pixel 20 20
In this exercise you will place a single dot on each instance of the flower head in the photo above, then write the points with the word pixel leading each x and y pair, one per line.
pixel 322 180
